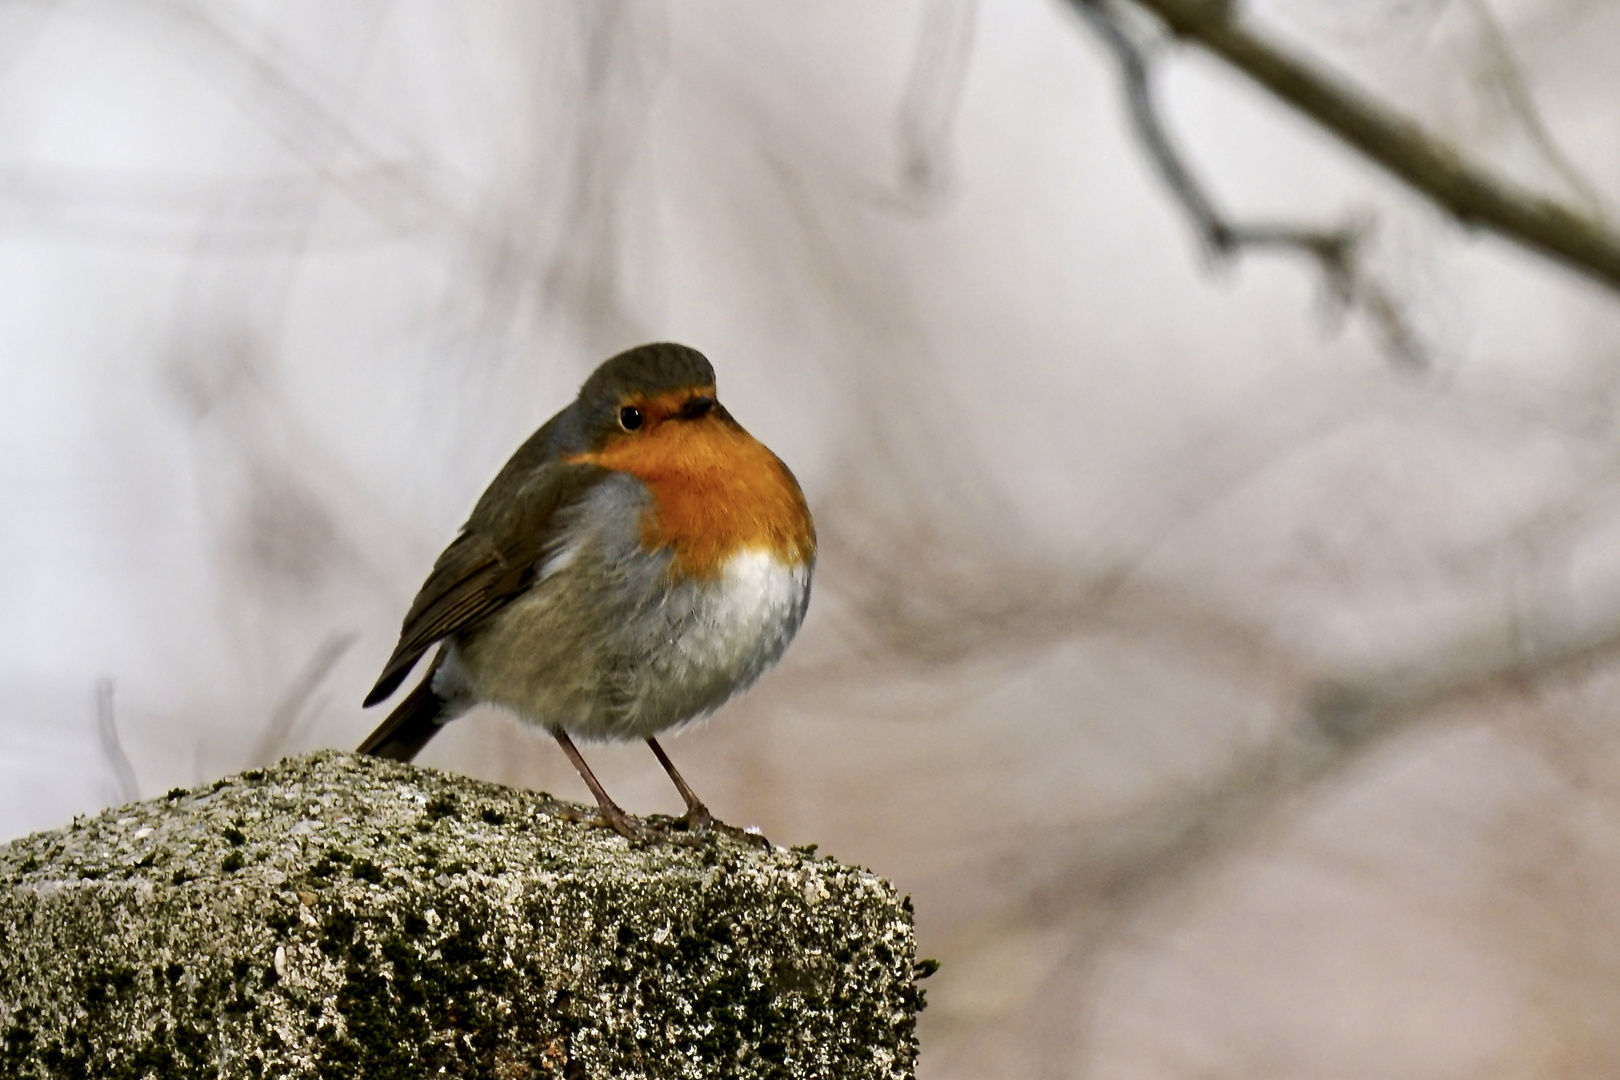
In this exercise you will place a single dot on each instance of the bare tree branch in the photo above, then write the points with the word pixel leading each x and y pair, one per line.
pixel 1440 172
pixel 1334 250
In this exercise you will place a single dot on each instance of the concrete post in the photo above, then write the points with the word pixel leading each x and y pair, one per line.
pixel 342 916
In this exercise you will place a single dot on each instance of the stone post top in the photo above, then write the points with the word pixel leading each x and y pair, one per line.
pixel 367 820
pixel 343 915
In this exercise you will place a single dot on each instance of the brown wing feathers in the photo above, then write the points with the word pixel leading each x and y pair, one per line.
pixel 464 581
pixel 489 564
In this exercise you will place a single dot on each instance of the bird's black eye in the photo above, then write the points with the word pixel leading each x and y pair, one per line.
pixel 629 418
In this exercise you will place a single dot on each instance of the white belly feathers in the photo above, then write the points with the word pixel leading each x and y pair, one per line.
pixel 604 648
pixel 753 612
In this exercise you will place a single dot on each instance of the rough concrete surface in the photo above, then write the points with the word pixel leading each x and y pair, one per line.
pixel 343 916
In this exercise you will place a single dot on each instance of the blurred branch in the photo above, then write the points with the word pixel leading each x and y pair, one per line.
pixel 933 94
pixel 1438 171
pixel 1105 882
pixel 1505 75
pixel 284 717
pixel 111 748
pixel 1512 657
pixel 1334 250
pixel 269 78
pixel 1129 865
pixel 235 214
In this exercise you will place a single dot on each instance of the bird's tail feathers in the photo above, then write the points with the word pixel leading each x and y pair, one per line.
pixel 413 722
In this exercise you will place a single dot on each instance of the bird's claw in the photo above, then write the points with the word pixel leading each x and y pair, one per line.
pixel 611 817
pixel 697 820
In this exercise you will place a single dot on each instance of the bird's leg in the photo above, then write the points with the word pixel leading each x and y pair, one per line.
pixel 698 819
pixel 616 818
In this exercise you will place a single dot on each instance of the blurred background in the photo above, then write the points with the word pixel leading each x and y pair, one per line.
pixel 1227 662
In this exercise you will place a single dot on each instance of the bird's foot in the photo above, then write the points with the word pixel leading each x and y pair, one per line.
pixel 748 836
pixel 609 816
pixel 694 830
pixel 689 830
pixel 697 819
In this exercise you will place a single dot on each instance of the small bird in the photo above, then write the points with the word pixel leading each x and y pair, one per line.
pixel 638 561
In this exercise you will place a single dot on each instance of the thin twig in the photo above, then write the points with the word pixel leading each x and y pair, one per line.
pixel 1334 250
pixel 934 93
pixel 111 748
pixel 1428 165
pixel 1506 76
pixel 278 727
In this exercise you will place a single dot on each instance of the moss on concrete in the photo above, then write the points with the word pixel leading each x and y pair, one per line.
pixel 343 916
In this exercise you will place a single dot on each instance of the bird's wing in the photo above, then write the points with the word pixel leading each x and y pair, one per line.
pixel 494 559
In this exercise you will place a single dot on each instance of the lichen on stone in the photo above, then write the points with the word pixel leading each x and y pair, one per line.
pixel 343 916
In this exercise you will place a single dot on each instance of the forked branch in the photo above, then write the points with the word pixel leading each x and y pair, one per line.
pixel 1335 250
pixel 1440 172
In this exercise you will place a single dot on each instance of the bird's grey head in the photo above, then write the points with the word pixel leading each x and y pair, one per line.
pixel 645 373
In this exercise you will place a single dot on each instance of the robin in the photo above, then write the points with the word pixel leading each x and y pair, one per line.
pixel 638 561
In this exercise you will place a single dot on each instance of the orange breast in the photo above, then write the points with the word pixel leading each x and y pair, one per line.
pixel 715 489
